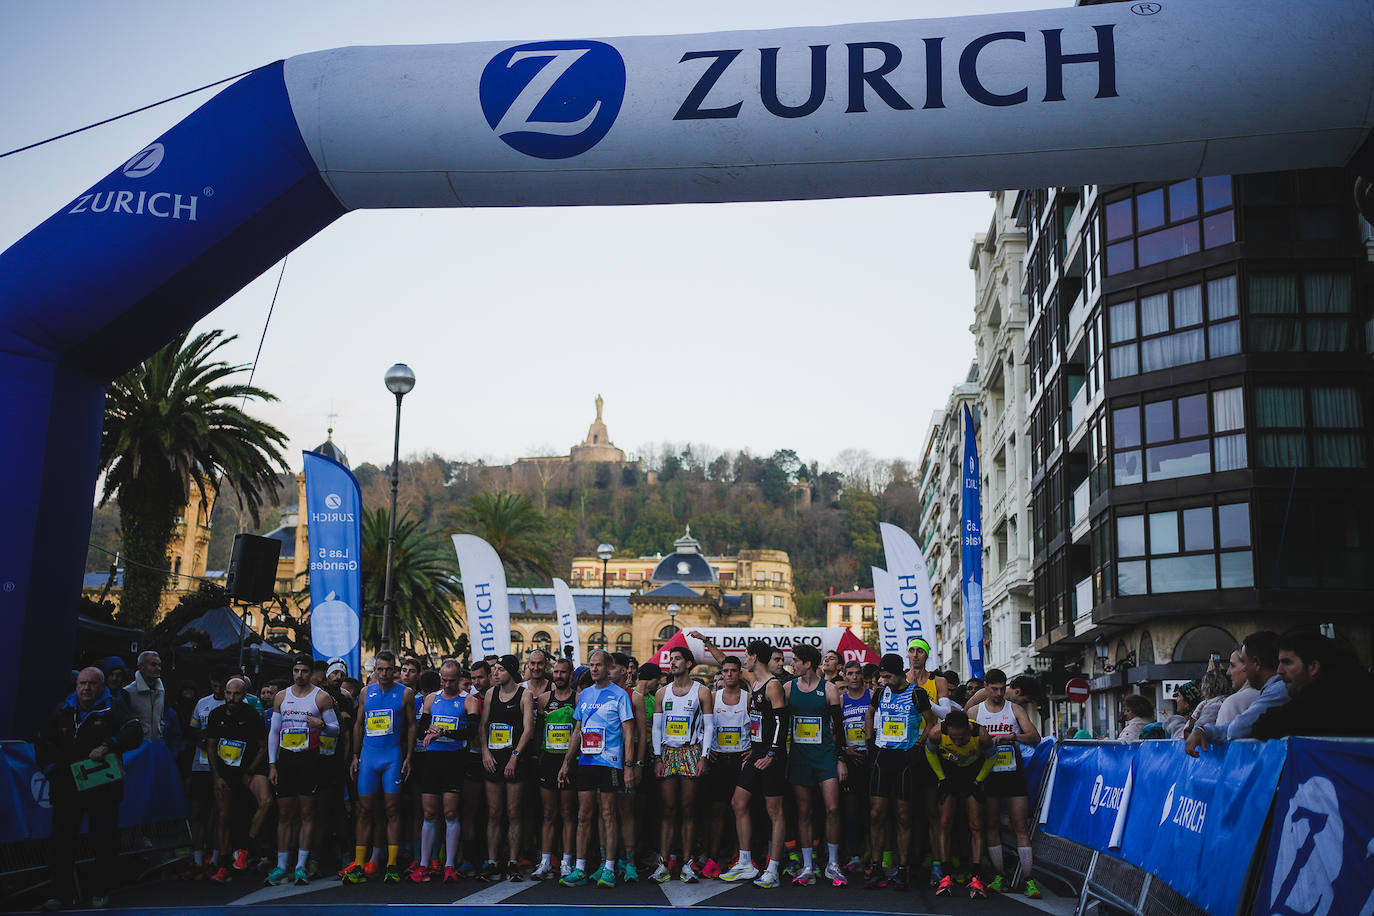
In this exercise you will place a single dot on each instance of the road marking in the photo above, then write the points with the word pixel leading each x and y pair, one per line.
pixel 680 894
pixel 268 894
pixel 495 893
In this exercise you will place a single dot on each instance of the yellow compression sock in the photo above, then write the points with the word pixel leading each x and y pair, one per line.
pixel 360 854
pixel 392 854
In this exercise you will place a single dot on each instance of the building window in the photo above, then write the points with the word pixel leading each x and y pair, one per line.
pixel 1313 427
pixel 1188 549
pixel 1027 630
pixel 517 643
pixel 1289 313
pixel 1169 222
pixel 1179 437
pixel 624 643
pixel 777 601
pixel 542 640
pixel 868 612
pixel 595 641
pixel 1167 328
pixel 844 613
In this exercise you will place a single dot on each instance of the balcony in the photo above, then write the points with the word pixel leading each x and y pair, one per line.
pixel 1082 498
pixel 1083 602
pixel 1078 410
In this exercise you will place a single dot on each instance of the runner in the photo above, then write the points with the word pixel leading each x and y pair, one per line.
pixel 831 668
pixel 605 727
pixel 896 723
pixel 937 689
pixel 764 770
pixel 444 726
pixel 554 714
pixel 300 715
pixel 199 790
pixel 854 805
pixel 385 737
pixel 727 746
pixel 474 799
pixel 961 757
pixel 815 761
pixel 683 724
pixel 637 750
pixel 507 727
pixel 237 740
pixel 1008 725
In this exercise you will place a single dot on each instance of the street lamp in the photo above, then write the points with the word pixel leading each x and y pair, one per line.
pixel 399 380
pixel 672 617
pixel 605 552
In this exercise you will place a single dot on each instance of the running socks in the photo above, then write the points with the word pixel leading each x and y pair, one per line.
pixel 1024 854
pixel 452 840
pixel 995 853
pixel 429 833
pixel 393 853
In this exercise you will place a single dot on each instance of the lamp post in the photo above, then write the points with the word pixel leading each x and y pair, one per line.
pixel 672 617
pixel 399 380
pixel 605 552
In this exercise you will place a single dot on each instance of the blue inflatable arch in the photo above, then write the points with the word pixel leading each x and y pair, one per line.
pixel 1121 92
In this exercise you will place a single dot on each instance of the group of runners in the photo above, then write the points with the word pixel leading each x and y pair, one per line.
pixel 884 765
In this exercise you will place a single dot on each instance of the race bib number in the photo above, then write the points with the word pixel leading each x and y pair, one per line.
pixel 446 725
pixel 1004 761
pixel 755 727
pixel 328 746
pixel 894 731
pixel 294 739
pixel 499 736
pixel 729 736
pixel 91 774
pixel 231 751
pixel 806 729
pixel 678 729
pixel 854 735
pixel 558 735
pixel 593 742
pixel 379 724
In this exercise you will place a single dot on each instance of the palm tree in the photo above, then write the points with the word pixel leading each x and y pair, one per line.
pixel 424 582
pixel 515 529
pixel 175 420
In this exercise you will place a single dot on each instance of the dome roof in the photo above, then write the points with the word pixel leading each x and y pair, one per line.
pixel 685 563
pixel 330 450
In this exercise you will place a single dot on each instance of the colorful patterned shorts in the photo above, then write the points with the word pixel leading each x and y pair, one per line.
pixel 682 761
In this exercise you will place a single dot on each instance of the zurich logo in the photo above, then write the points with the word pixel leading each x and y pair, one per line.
pixel 333 501
pixel 145 161
pixel 553 99
pixel 1168 804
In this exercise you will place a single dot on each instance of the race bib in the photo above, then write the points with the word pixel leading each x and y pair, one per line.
pixel 499 736
pixel 447 725
pixel 755 727
pixel 328 746
pixel 231 751
pixel 201 761
pixel 379 723
pixel 593 742
pixel 729 736
pixel 557 735
pixel 894 731
pixel 294 739
pixel 854 735
pixel 806 729
pixel 678 729
pixel 1004 761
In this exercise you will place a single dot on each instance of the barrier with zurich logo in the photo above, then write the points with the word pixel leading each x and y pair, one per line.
pixel 1090 782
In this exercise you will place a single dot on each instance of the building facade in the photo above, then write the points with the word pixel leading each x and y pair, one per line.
pixel 854 611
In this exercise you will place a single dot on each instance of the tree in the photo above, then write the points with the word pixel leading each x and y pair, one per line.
pixel 424 582
pixel 173 421
pixel 515 529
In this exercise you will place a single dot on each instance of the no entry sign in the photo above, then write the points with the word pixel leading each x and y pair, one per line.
pixel 1078 690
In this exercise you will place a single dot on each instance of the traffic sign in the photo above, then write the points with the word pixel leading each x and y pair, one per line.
pixel 1078 690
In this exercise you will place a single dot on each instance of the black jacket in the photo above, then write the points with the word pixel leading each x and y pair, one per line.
pixel 70 734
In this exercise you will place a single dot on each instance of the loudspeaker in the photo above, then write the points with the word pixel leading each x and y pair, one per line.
pixel 253 568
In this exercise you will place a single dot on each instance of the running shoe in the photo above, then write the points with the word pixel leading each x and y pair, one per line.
pixel 628 873
pixel 835 875
pixel 711 869
pixel 543 872
pixel 875 878
pixel 662 874
pixel 373 868
pixel 278 877
pixel 999 884
pixel 312 869
pixel 793 866
pixel 513 873
pixel 975 887
pixel 575 878
pixel 855 864
pixel 688 875
pixel 466 868
pixel 607 878
pixel 490 871
pixel 420 875
pixel 596 875
pixel 900 881
pixel 565 869
pixel 451 875
pixel 392 875
pixel 221 876
pixel 937 874
pixel 302 877
pixel 804 878
pixel 946 887
pixel 962 877
pixel 1032 889
pixel 354 874
pixel 740 873
pixel 411 868
pixel 767 879
pixel 241 860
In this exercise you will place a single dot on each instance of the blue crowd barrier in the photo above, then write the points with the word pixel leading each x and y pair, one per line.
pixel 152 791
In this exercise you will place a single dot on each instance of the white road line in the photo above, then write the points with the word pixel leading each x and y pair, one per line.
pixel 268 894
pixel 495 893
pixel 680 894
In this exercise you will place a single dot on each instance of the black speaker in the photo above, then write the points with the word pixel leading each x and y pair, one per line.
pixel 253 568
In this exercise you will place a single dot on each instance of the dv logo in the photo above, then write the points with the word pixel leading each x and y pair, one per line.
pixel 553 99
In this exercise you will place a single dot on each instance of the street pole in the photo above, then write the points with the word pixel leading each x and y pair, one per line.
pixel 399 380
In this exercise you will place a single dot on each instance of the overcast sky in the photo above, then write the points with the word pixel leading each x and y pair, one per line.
pixel 818 326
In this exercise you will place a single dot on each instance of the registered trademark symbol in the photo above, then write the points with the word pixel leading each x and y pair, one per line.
pixel 1146 9
pixel 9 586
pixel 210 192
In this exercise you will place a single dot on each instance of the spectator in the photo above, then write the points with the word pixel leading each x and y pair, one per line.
pixel 146 697
pixel 1260 659
pixel 1216 688
pixel 1082 735
pixel 91 724
pixel 1322 678
pixel 116 672
pixel 1186 701
pixel 1139 712
pixel 1242 694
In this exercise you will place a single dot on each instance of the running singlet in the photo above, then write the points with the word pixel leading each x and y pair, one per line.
pixel 451 718
pixel 732 724
pixel 602 711
pixel 763 718
pixel 811 724
pixel 383 718
pixel 855 711
pixel 965 754
pixel 505 721
pixel 296 735
pixel 682 717
pixel 201 717
pixel 897 720
pixel 558 724
pixel 1002 727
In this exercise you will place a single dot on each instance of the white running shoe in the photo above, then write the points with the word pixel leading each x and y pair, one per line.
pixel 661 874
pixel 742 873
pixel 543 873
pixel 689 875
pixel 805 878
pixel 835 875
pixel 767 879
pixel 564 869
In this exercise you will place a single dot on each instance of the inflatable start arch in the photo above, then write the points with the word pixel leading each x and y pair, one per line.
pixel 1122 92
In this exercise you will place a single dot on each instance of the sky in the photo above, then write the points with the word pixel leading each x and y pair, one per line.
pixel 818 326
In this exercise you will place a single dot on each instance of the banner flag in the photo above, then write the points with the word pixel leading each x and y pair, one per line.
pixel 566 612
pixel 484 593
pixel 906 566
pixel 885 610
pixel 735 641
pixel 1321 855
pixel 334 514
pixel 1088 792
pixel 971 549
